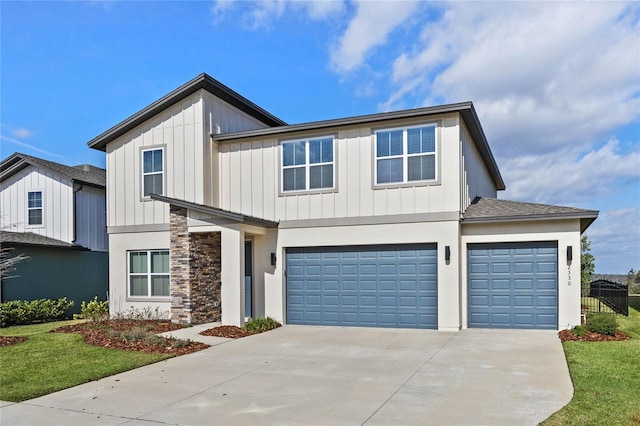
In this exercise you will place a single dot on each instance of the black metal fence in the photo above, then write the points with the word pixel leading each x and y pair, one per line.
pixel 605 296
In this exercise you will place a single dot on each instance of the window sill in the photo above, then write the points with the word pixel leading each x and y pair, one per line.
pixel 307 192
pixel 166 299
pixel 407 184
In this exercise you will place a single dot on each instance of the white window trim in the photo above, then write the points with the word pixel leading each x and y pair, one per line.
pixel 307 166
pixel 143 174
pixel 405 156
pixel 35 225
pixel 147 274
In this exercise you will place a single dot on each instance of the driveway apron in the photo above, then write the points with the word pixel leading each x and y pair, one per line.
pixel 325 376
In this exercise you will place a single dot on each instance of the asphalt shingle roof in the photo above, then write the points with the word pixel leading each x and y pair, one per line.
pixel 32 239
pixel 484 209
pixel 83 173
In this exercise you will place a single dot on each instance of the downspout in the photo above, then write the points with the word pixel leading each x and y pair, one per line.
pixel 73 215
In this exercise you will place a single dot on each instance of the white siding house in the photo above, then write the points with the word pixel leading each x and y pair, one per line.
pixel 217 210
pixel 57 214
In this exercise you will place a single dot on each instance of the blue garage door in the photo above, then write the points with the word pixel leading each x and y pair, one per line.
pixel 363 286
pixel 513 285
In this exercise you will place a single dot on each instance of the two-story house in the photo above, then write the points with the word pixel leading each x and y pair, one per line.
pixel 56 215
pixel 219 211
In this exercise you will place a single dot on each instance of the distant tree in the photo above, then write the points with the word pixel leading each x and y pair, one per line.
pixel 587 261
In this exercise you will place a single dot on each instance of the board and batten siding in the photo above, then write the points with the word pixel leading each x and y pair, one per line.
pixel 91 225
pixel 57 203
pixel 190 173
pixel 250 178
pixel 475 178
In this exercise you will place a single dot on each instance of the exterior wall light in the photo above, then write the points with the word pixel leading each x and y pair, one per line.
pixel 447 253
pixel 569 253
pixel 273 259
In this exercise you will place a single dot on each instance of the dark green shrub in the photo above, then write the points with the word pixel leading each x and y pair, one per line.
pixel 20 312
pixel 94 310
pixel 578 330
pixel 258 325
pixel 602 323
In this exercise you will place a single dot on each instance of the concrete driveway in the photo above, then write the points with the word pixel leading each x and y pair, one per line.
pixel 329 375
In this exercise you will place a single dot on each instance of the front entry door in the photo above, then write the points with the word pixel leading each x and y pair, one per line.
pixel 248 279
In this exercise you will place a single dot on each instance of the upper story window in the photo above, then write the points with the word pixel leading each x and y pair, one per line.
pixel 406 155
pixel 149 273
pixel 308 164
pixel 34 208
pixel 152 171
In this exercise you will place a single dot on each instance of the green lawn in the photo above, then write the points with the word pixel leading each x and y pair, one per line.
pixel 49 362
pixel 606 378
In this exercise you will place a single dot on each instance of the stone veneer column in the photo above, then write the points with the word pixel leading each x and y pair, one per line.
pixel 205 277
pixel 179 253
pixel 195 272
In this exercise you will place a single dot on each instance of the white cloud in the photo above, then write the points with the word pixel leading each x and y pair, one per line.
pixel 565 177
pixel 29 146
pixel 370 27
pixel 22 133
pixel 322 9
pixel 614 237
pixel 542 75
pixel 263 14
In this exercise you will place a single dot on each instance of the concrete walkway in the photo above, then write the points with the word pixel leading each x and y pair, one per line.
pixel 326 376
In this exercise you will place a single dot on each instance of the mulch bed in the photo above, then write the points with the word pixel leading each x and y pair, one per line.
pixel 11 340
pixel 229 331
pixel 117 334
pixel 588 336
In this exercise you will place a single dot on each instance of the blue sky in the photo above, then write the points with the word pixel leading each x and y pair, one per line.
pixel 556 85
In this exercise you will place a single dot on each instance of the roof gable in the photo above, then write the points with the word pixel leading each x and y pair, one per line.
pixel 85 173
pixel 203 81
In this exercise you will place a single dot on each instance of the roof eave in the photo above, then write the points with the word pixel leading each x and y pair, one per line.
pixel 203 81
pixel 466 110
pixel 586 218
pixel 213 211
pixel 336 122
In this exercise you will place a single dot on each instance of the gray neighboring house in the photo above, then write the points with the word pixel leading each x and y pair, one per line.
pixel 56 215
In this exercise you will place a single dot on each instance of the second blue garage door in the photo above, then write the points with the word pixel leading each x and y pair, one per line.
pixel 363 286
pixel 513 285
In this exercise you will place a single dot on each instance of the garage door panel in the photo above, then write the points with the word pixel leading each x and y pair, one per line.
pixel 525 297
pixel 383 286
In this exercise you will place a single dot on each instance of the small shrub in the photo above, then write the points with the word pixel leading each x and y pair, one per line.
pixel 180 343
pixel 155 340
pixel 94 310
pixel 602 323
pixel 578 330
pixel 258 325
pixel 20 312
pixel 145 314
pixel 134 335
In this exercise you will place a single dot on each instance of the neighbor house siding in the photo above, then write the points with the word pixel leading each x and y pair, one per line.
pixel 91 226
pixel 475 179
pixel 54 272
pixel 250 178
pixel 57 202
